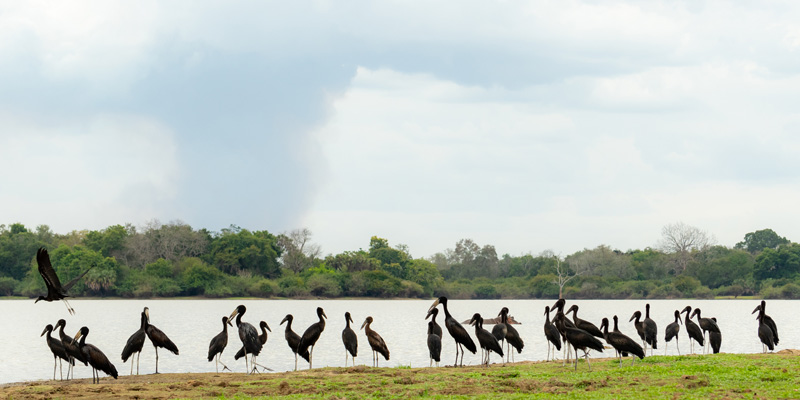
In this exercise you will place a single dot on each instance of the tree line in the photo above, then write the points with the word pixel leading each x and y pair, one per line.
pixel 173 259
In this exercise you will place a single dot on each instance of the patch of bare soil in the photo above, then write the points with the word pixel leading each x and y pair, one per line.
pixel 792 352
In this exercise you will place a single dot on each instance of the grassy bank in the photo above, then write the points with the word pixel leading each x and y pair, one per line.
pixel 730 376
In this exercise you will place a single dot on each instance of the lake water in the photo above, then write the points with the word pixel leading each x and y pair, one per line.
pixel 24 356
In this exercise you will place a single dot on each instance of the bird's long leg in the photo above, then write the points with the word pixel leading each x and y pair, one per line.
pixel 138 356
pixel 455 364
pixel 345 358
pixel 586 355
pixel 70 310
pixel 155 347
pixel 311 357
pixel 132 364
pixel 55 363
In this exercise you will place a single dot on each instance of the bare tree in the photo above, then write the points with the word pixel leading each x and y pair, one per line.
pixel 682 240
pixel 298 253
pixel 563 274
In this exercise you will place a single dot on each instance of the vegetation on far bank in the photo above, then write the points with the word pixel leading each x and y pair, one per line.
pixel 175 260
pixel 729 376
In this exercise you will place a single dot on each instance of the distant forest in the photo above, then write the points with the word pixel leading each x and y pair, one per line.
pixel 169 260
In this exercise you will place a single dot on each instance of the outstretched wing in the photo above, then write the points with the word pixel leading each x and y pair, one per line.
pixel 48 273
pixel 71 283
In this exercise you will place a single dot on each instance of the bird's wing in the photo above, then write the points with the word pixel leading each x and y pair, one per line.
pixel 46 270
pixel 71 283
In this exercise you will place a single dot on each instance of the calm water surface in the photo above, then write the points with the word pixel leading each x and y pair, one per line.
pixel 24 355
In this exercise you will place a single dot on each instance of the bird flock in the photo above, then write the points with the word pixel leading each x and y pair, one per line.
pixel 561 335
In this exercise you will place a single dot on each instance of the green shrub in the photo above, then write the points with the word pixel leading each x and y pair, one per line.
pixel 325 285
pixel 790 291
pixel 265 288
pixel 7 286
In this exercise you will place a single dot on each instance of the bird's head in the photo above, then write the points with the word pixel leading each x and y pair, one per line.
pixel 636 315
pixel 678 316
pixel 604 323
pixel 39 298
pixel 263 325
pixel 239 310
pixel 440 300
pixel 616 320
pixel 48 328
pixel 757 309
pixel 434 311
pixel 321 313
pixel 546 310
pixel 83 332
pixel 476 319
pixel 348 318
pixel 62 322
pixel 226 321
pixel 686 309
pixel 695 312
pixel 559 304
pixel 288 317
pixel 573 308
pixel 503 311
pixel 366 322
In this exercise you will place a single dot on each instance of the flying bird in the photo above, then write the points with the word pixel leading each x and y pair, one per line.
pixel 55 291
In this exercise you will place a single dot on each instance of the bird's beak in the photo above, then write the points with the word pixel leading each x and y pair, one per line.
pixel 268 327
pixel 233 315
pixel 286 318
pixel 323 314
pixel 435 303
pixel 350 318
pixel 43 332
pixel 758 308
pixel 77 336
pixel 364 324
pixel 632 317
pixel 230 324
pixel 147 314
pixel 430 312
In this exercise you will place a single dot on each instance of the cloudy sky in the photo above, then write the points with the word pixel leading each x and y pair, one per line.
pixel 528 125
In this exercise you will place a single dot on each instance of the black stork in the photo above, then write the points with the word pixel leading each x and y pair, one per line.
pixel 262 338
pixel 349 339
pixel 59 353
pixel 96 358
pixel 487 341
pixel 650 329
pixel 248 335
pixel 646 332
pixel 621 342
pixel 437 330
pixel 55 291
pixel 455 329
pixel 375 342
pixel 551 333
pixel 715 339
pixel 768 320
pixel 583 324
pixel 672 332
pixel 692 329
pixel 512 336
pixel 157 337
pixel 706 324
pixel 292 339
pixel 434 344
pixel 765 333
pixel 71 346
pixel 564 323
pixel 135 344
pixel 218 344
pixel 499 330
pixel 579 340
pixel 311 335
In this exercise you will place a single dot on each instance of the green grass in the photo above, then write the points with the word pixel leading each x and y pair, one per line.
pixel 733 376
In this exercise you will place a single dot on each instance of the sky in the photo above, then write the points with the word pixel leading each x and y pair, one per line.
pixel 526 125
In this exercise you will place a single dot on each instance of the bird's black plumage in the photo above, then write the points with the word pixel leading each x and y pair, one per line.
pixel 263 336
pixel 248 335
pixel 672 332
pixel 768 321
pixel 311 335
pixel 135 343
pixel 715 339
pixel 621 342
pixel 71 346
pixel 551 333
pixel 582 340
pixel 292 339
pixel 55 291
pixel 57 348
pixel 157 337
pixel 650 329
pixel 765 333
pixel 96 358
pixel 349 339
pixel 218 343
pixel 692 329
pixel 434 344
pixel 455 329
pixel 437 330
pixel 583 324
pixel 376 342
pixel 706 324
pixel 487 341
pixel 512 336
